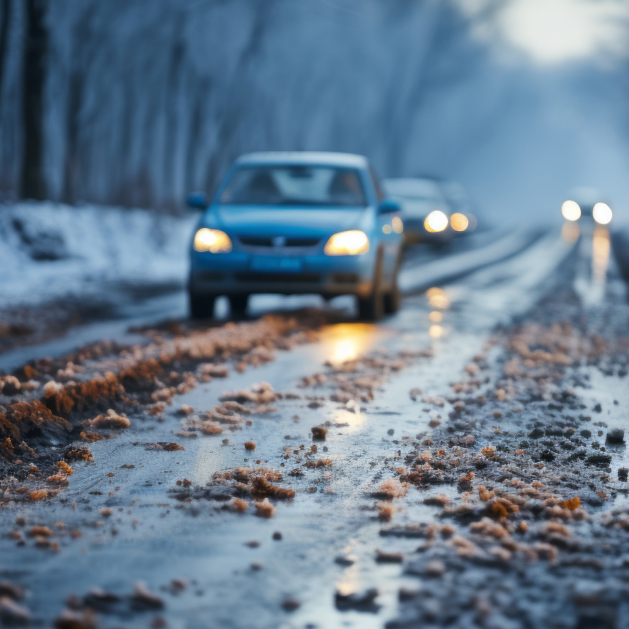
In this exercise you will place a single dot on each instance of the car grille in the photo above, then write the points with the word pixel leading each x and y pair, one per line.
pixel 292 278
pixel 255 241
pixel 345 278
pixel 209 276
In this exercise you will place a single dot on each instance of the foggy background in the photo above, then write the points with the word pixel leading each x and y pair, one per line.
pixel 137 102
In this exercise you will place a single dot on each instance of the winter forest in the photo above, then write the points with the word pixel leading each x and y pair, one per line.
pixel 137 102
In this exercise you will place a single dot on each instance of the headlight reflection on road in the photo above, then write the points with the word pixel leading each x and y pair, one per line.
pixel 350 418
pixel 570 232
pixel 346 342
pixel 437 298
pixel 600 257
pixel 436 331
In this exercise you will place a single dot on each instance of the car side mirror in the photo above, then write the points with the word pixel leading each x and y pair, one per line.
pixel 197 200
pixel 388 206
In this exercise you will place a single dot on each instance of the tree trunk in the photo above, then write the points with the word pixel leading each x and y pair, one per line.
pixel 5 16
pixel 70 175
pixel 33 184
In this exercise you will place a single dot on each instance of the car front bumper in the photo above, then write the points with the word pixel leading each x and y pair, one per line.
pixel 239 273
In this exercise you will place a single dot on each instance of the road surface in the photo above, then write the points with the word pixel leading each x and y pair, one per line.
pixel 463 470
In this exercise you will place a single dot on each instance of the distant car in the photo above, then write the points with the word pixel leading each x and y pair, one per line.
pixel 297 223
pixel 463 217
pixel 587 202
pixel 425 207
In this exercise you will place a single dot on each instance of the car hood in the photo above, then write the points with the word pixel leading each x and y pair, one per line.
pixel 420 208
pixel 264 220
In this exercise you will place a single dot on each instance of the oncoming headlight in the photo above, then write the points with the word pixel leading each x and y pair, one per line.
pixel 602 213
pixel 436 221
pixel 212 240
pixel 571 211
pixel 349 243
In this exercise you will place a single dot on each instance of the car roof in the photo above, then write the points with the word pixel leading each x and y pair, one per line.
pixel 319 158
pixel 412 187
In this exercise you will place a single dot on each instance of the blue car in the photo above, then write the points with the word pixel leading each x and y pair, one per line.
pixel 297 223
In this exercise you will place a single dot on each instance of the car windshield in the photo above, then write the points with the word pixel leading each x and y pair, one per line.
pixel 420 190
pixel 326 186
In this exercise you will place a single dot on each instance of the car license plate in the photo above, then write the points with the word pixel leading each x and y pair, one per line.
pixel 274 264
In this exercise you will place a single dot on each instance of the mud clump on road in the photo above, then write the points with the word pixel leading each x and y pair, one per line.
pixel 234 488
pixel 318 432
pixel 265 509
pixel 389 489
pixel 110 420
pixel 78 454
pixel 22 419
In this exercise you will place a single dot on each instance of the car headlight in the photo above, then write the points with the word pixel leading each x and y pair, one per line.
pixel 349 243
pixel 436 221
pixel 212 240
pixel 571 211
pixel 459 222
pixel 602 213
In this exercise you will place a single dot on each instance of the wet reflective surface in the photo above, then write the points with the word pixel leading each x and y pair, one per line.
pixel 155 538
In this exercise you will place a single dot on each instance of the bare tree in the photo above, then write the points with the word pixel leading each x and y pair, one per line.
pixel 5 16
pixel 33 183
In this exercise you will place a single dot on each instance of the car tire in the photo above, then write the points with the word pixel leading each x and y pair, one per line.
pixel 201 305
pixel 372 308
pixel 238 305
pixel 393 299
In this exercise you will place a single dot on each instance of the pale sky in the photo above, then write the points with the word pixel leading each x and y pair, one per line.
pixel 556 31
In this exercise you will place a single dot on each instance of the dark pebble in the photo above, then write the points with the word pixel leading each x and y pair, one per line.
pixel 616 435
pixel 599 459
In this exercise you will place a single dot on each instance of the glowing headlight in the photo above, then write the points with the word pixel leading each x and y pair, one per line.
pixel 459 222
pixel 350 243
pixel 602 213
pixel 436 221
pixel 571 211
pixel 212 240
pixel 397 224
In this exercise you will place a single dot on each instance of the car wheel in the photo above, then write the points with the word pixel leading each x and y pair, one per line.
pixel 372 307
pixel 238 305
pixel 201 305
pixel 393 299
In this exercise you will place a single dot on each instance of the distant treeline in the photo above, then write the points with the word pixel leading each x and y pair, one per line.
pixel 136 102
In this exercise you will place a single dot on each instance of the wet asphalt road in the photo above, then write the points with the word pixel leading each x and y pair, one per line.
pixel 150 536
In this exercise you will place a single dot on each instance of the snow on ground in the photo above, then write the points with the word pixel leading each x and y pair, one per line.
pixel 50 250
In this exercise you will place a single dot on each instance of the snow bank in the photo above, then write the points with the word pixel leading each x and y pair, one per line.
pixel 49 251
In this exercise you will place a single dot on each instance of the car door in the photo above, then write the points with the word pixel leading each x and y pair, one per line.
pixel 388 228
